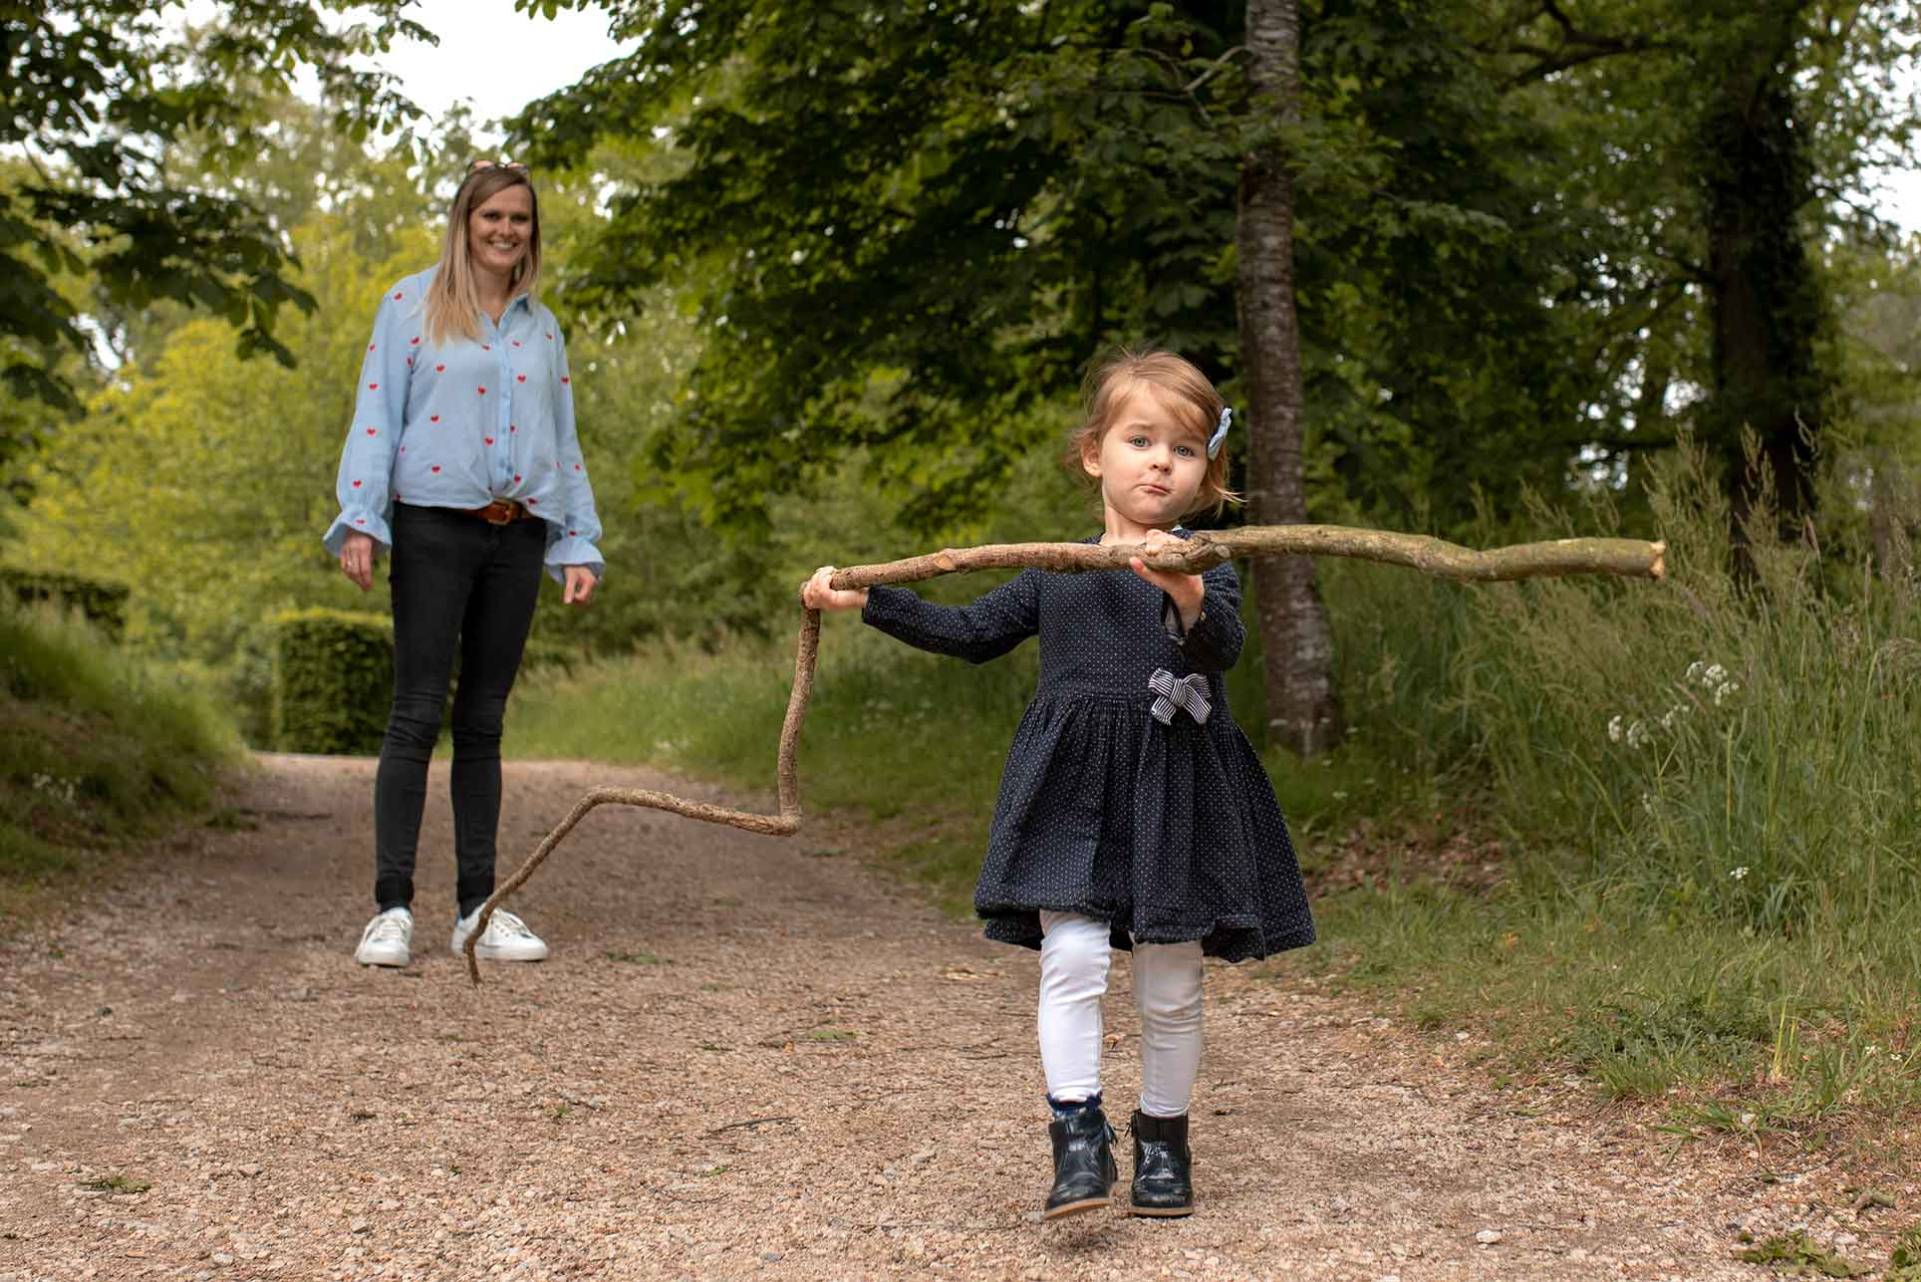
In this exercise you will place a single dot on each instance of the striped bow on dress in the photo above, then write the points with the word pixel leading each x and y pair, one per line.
pixel 1188 692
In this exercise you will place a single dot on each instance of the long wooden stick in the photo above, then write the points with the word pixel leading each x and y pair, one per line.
pixel 1627 557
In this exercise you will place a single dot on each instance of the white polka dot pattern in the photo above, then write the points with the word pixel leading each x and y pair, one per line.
pixel 1166 832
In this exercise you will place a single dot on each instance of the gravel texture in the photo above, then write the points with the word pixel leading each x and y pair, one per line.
pixel 748 1057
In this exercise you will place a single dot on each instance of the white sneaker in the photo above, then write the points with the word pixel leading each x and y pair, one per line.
pixel 387 940
pixel 506 939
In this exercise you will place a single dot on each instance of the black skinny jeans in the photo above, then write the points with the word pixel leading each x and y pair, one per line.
pixel 456 581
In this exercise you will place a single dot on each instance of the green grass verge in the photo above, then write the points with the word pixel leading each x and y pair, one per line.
pixel 96 748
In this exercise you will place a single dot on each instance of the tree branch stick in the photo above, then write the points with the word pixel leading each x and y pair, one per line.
pixel 1630 558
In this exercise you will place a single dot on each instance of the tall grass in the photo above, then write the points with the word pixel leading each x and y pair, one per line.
pixel 95 747
pixel 1706 787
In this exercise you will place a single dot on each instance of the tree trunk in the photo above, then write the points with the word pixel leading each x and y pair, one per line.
pixel 1303 708
pixel 1765 303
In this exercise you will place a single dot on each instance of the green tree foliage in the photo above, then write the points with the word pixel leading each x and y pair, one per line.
pixel 93 96
pixel 902 228
pixel 1715 147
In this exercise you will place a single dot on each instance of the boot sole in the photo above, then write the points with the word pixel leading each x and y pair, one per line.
pixel 1075 1208
pixel 1160 1212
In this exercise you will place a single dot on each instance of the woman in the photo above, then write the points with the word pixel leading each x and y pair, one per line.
pixel 463 462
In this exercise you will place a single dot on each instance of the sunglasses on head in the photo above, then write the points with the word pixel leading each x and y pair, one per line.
pixel 512 167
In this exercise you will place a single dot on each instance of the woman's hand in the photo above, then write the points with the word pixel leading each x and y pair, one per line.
pixel 357 558
pixel 578 588
pixel 1186 590
pixel 815 594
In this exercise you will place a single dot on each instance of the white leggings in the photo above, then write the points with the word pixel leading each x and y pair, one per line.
pixel 1167 987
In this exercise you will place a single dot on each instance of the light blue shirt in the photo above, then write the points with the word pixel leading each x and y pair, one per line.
pixel 461 424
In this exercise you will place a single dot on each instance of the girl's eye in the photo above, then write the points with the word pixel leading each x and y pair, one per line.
pixel 1187 451
pixel 1137 440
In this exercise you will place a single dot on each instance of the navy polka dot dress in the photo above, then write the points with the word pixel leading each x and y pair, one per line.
pixel 1169 832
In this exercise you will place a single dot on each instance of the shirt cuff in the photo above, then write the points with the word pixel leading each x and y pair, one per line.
pixel 358 521
pixel 1171 619
pixel 574 549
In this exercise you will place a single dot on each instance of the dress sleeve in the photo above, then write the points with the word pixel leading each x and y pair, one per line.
pixel 1214 642
pixel 985 629
pixel 364 485
pixel 574 542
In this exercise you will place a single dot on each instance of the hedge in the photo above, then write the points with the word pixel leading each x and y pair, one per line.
pixel 104 604
pixel 333 681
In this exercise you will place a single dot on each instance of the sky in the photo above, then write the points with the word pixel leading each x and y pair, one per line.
pixel 494 58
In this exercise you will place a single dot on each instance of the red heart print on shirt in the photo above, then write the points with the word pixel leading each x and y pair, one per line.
pixel 356 485
pixel 372 432
pixel 516 342
pixel 483 391
pixel 488 439
pixel 533 502
pixel 550 338
pixel 520 378
pixel 486 347
pixel 415 342
pixel 436 467
pixel 433 418
pixel 516 478
pixel 370 347
pixel 396 295
pixel 373 387
pixel 440 369
pixel 360 520
pixel 565 379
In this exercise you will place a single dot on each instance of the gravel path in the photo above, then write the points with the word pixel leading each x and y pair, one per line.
pixel 749 1057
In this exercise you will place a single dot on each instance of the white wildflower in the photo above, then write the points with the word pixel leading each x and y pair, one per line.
pixel 1721 692
pixel 1637 735
pixel 1738 873
pixel 1614 728
pixel 1669 717
pixel 1714 675
pixel 1694 669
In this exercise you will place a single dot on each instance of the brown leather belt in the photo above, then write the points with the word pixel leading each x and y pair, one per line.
pixel 501 512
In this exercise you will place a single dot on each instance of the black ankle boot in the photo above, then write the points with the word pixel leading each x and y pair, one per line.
pixel 1084 1171
pixel 1163 1168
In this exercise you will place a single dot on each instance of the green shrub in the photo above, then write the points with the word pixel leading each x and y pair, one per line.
pixel 103 604
pixel 333 677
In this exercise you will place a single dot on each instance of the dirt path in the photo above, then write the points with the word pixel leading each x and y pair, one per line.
pixel 747 1058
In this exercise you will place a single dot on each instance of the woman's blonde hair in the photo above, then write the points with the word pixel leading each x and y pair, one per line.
pixel 1194 400
pixel 453 300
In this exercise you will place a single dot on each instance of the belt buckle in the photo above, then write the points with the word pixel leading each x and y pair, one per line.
pixel 505 508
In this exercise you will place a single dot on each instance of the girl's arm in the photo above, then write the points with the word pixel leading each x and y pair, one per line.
pixel 985 629
pixel 1213 642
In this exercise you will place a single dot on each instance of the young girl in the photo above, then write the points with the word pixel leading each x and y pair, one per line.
pixel 1132 811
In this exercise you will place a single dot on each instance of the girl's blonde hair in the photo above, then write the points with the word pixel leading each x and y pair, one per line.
pixel 453 299
pixel 1195 401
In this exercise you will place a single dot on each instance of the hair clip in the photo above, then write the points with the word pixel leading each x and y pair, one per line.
pixel 509 165
pixel 1220 432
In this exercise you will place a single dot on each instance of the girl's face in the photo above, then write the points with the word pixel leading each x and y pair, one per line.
pixel 1150 462
pixel 499 229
